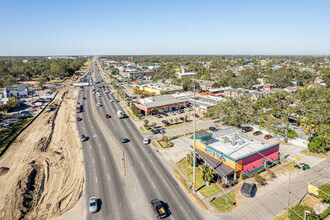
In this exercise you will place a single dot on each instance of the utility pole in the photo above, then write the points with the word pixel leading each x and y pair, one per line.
pixel 194 159
pixel 289 192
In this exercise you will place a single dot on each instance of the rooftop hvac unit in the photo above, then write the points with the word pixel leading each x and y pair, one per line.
pixel 240 141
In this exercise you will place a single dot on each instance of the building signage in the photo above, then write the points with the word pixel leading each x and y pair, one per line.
pixel 312 189
pixel 218 156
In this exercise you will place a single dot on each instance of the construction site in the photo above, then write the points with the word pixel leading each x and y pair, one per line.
pixel 42 173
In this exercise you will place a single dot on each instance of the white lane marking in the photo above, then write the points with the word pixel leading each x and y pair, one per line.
pixel 142 164
pixel 90 146
pixel 134 149
pixel 96 179
pixel 93 160
pixel 153 185
pixel 108 177
pixel 104 158
pixel 100 145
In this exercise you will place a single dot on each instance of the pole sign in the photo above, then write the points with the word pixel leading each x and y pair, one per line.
pixel 313 190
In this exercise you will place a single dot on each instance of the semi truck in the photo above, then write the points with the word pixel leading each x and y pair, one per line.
pixel 120 114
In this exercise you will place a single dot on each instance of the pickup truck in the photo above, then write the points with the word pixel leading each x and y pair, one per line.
pixel 158 208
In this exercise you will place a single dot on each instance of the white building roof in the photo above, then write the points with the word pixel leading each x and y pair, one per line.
pixel 237 145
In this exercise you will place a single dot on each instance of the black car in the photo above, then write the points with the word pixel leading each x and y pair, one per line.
pixel 156 131
pixel 257 133
pixel 124 140
pixel 247 129
pixel 182 118
pixel 84 97
pixel 212 128
pixel 158 208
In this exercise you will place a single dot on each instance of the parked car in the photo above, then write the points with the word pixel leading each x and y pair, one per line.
pixel 84 138
pixel 247 129
pixel 182 118
pixel 248 189
pixel 107 115
pixel 158 208
pixel 124 140
pixel 267 136
pixel 155 131
pixel 84 97
pixel 212 128
pixel 7 124
pixel 93 205
pixel 145 141
pixel 257 133
pixel 159 116
pixel 173 113
pixel 197 116
pixel 79 119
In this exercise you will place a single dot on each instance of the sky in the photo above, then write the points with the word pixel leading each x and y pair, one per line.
pixel 153 27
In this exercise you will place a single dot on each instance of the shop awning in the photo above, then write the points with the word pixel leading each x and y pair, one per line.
pixel 218 167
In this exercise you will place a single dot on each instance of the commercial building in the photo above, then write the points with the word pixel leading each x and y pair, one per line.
pixel 189 74
pixel 237 154
pixel 159 104
pixel 17 90
pixel 160 88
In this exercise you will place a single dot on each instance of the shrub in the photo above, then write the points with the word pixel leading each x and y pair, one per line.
pixel 243 177
pixel 299 209
pixel 324 192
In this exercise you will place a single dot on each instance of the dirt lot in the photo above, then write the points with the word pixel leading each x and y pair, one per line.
pixel 40 181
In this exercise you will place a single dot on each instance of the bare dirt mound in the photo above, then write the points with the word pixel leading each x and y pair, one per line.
pixel 43 174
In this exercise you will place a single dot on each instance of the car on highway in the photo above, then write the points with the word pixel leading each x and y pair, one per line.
pixel 124 140
pixel 111 101
pixel 158 208
pixel 106 91
pixel 267 136
pixel 107 116
pixel 247 129
pixel 116 100
pixel 145 140
pixel 98 104
pixel 197 116
pixel 257 133
pixel 92 205
pixel 84 138
pixel 79 119
pixel 84 97
pixel 212 128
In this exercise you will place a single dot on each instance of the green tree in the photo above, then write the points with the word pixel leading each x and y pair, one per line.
pixel 207 173
pixel 146 122
pixel 11 103
pixel 176 120
pixel 234 110
pixel 190 158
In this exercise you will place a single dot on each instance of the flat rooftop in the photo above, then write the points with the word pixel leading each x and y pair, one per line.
pixel 155 101
pixel 237 145
pixel 163 86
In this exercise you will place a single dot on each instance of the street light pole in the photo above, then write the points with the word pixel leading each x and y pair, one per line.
pixel 305 213
pixel 194 159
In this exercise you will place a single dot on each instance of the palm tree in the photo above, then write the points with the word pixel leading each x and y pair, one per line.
pixel 207 174
pixel 190 157
pixel 176 120
pixel 146 122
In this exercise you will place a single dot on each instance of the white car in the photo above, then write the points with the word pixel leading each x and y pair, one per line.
pixel 92 205
pixel 145 141
pixel 111 100
pixel 98 104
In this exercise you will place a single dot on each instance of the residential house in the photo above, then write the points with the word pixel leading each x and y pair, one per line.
pixel 205 85
pixel 291 89
pixel 232 92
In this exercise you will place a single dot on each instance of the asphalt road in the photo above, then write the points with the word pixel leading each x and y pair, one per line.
pixel 146 174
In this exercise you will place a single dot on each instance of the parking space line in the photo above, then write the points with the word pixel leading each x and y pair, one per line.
pixel 93 160
pixel 103 158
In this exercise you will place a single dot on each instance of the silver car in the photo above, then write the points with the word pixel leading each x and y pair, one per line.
pixel 92 205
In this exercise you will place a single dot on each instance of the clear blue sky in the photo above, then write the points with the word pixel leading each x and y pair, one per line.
pixel 69 27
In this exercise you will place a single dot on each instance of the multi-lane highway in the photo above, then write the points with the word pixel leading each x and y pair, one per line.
pixel 124 192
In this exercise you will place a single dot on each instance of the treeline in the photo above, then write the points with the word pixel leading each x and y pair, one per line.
pixel 308 107
pixel 42 69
